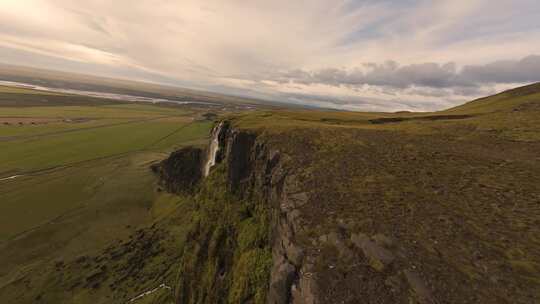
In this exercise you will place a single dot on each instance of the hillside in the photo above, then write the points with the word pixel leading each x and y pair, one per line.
pixel 517 99
pixel 375 208
pixel 300 207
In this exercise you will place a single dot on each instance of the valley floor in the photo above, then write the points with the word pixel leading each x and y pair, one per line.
pixel 76 189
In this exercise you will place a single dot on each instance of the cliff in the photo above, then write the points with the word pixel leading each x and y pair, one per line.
pixel 328 207
pixel 181 171
pixel 311 263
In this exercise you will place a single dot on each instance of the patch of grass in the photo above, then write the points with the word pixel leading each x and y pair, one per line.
pixel 227 253
pixel 13 130
pixel 95 112
pixel 74 147
pixel 250 277
pixel 98 191
pixel 190 133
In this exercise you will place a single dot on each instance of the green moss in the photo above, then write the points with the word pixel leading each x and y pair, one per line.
pixel 253 232
pixel 250 277
pixel 227 258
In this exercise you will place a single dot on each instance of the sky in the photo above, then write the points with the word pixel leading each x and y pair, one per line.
pixel 386 55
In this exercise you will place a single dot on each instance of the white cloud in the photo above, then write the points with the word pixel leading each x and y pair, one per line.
pixel 246 46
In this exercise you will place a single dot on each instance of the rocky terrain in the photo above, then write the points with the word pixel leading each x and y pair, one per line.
pixel 329 207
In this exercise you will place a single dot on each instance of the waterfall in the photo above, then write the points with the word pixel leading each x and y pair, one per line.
pixel 212 150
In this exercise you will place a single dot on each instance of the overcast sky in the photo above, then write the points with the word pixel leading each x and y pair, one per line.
pixel 350 54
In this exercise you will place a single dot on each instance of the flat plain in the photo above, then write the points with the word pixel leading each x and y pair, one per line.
pixel 75 178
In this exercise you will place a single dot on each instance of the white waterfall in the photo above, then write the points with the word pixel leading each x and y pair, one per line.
pixel 213 149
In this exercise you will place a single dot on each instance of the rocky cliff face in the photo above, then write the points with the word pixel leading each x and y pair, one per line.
pixel 345 215
pixel 181 172
pixel 258 172
pixel 245 168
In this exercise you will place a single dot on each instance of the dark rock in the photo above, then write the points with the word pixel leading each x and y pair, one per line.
pixel 282 277
pixel 59 264
pixel 181 171
pixel 81 259
pixel 240 160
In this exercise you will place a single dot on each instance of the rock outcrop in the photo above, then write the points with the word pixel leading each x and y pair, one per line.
pixel 181 172
pixel 256 172
pixel 349 216
pixel 259 173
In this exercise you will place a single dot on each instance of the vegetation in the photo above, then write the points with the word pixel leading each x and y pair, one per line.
pixel 511 115
pixel 227 257
pixel 452 195
pixel 455 193
pixel 85 191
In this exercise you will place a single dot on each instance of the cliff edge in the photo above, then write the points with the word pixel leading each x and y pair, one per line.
pixel 328 207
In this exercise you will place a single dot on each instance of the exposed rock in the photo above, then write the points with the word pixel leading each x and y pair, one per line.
pixel 395 283
pixel 378 256
pixel 305 290
pixel 295 200
pixel 383 240
pixel 282 277
pixel 240 160
pixel 421 291
pixel 338 241
pixel 181 171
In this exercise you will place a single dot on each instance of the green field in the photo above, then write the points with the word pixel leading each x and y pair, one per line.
pixel 84 182
pixel 49 157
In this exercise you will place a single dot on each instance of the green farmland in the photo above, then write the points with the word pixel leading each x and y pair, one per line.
pixel 74 179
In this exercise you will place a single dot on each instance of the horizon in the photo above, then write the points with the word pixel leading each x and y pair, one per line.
pixel 351 55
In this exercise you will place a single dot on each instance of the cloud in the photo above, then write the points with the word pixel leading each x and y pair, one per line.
pixel 345 50
pixel 428 75
pixel 525 70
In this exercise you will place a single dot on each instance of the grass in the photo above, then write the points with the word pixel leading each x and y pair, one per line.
pixel 227 255
pixel 457 195
pixel 35 200
pixel 42 147
pixel 77 158
pixel 457 190
pixel 86 186
pixel 96 112
pixel 511 115
pixel 9 132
